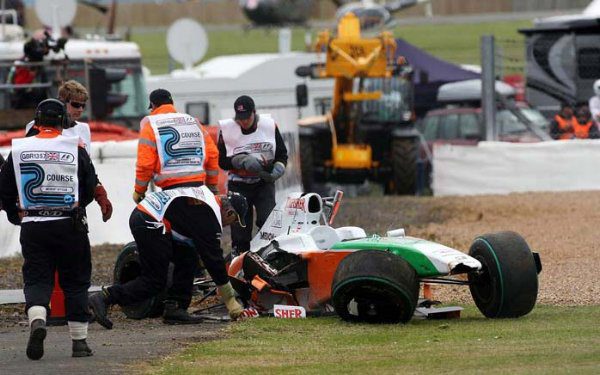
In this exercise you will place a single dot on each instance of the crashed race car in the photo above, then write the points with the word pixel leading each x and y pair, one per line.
pixel 298 259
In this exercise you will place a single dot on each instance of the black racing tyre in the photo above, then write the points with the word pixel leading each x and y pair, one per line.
pixel 128 268
pixel 375 286
pixel 507 285
pixel 404 153
pixel 307 163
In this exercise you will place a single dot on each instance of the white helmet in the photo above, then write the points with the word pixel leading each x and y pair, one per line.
pixel 597 87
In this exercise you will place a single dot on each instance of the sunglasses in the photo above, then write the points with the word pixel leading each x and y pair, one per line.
pixel 77 105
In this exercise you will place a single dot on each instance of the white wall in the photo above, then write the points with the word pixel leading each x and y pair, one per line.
pixel 502 168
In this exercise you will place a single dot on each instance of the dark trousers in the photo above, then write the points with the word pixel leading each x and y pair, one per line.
pixel 261 197
pixel 156 251
pixel 199 223
pixel 51 246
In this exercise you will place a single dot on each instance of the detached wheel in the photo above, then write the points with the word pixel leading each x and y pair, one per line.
pixel 507 285
pixel 375 287
pixel 128 268
pixel 404 167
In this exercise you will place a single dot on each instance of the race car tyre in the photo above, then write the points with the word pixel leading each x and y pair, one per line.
pixel 507 285
pixel 307 163
pixel 375 286
pixel 404 167
pixel 127 267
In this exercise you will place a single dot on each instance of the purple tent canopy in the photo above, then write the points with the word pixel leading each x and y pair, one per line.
pixel 429 74
pixel 435 69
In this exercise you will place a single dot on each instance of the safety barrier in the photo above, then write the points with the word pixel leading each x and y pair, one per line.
pixel 502 167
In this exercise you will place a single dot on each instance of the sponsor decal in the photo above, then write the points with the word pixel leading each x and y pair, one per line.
pixel 154 202
pixel 289 312
pixel 249 312
pixel 266 236
pixel 48 156
pixel 48 213
pixel 295 204
pixel 254 148
pixel 277 219
pixel 261 262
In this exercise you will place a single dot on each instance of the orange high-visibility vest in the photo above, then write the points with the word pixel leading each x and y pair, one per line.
pixel 565 127
pixel 582 131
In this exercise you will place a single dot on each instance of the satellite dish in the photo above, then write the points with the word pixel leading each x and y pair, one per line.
pixel 187 42
pixel 56 13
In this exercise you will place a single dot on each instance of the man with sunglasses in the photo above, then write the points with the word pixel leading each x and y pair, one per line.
pixel 75 96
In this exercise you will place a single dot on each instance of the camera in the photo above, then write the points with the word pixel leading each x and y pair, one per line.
pixel 36 49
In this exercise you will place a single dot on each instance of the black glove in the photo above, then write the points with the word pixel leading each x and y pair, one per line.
pixel 236 161
pixel 276 173
pixel 247 162
pixel 13 217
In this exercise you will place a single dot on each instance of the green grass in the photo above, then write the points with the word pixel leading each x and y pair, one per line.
pixel 457 43
pixel 549 340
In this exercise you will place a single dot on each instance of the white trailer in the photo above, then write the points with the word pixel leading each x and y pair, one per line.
pixel 208 90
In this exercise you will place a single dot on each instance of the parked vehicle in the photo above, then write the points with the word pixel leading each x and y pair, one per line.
pixel 461 122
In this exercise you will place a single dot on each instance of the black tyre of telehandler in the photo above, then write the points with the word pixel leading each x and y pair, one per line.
pixel 127 267
pixel 507 285
pixel 404 157
pixel 375 286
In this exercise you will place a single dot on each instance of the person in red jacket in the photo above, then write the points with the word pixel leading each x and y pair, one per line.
pixel 175 152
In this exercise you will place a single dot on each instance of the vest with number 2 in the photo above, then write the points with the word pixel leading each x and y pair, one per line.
pixel 260 143
pixel 157 203
pixel 179 144
pixel 46 173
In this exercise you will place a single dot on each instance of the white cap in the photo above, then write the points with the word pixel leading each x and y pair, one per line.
pixel 597 87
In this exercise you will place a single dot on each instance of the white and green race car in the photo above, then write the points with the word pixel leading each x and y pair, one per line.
pixel 297 258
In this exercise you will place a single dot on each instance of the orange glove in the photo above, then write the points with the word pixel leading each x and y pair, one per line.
pixel 105 206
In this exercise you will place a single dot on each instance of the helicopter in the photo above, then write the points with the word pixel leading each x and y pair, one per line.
pixel 371 13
